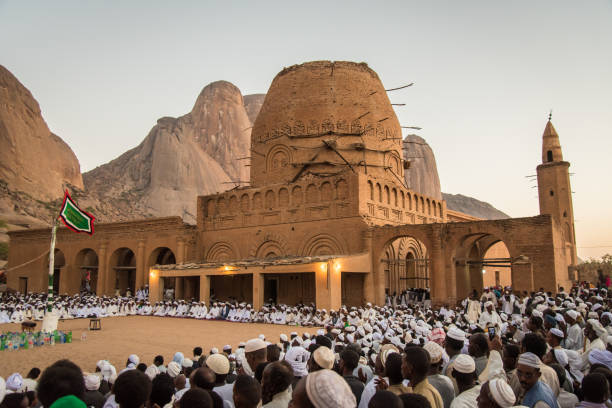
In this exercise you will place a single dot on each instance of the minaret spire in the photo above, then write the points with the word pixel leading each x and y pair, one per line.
pixel 551 147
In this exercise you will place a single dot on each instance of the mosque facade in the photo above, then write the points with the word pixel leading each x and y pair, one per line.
pixel 327 217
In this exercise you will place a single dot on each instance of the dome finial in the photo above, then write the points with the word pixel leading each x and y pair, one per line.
pixel 550 116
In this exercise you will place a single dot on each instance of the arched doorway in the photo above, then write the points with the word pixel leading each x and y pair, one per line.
pixel 405 264
pixel 482 260
pixel 123 271
pixel 59 263
pixel 163 256
pixel 87 263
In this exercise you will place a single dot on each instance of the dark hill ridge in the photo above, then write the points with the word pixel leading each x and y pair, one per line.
pixel 473 207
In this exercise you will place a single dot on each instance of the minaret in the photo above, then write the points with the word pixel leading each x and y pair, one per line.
pixel 554 189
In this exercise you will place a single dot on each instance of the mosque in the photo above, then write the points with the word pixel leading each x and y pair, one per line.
pixel 327 217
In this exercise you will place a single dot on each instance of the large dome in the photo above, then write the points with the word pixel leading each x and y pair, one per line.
pixel 322 118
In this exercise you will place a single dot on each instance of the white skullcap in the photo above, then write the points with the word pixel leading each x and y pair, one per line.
pixel 350 338
pixel 254 345
pixel 488 303
pixel 227 347
pixel 214 350
pixel 456 334
pixel 561 357
pixel 325 388
pixel 100 364
pixel 434 350
pixel 572 313
pixel 284 337
pixel 536 313
pixel 464 364
pixel 187 363
pixel 151 372
pixel 14 382
pixel 298 357
pixel 502 393
pixel 261 336
pixel 320 332
pixel 556 332
pixel 218 363
pixel 349 329
pixel 173 369
pixel 530 359
pixel 324 357
pixel 335 331
pixel 602 357
pixel 92 382
pixel 596 307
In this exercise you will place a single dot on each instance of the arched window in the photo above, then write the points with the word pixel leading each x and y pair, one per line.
pixel 387 197
pixel 549 156
pixel 371 186
pixel 379 191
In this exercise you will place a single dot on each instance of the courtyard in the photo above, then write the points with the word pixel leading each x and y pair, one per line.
pixel 145 336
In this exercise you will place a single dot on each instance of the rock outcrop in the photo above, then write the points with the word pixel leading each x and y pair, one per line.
pixel 473 207
pixel 174 164
pixel 253 104
pixel 33 160
pixel 422 176
pixel 219 123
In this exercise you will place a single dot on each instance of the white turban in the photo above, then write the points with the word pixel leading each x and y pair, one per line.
pixel 455 333
pixel 152 371
pixel 386 351
pixel 602 357
pixel 134 360
pixel 109 372
pixel 561 357
pixel 530 359
pixel 600 331
pixel 92 382
pixel 298 358
pixel 325 388
pixel 14 382
pixel 173 369
pixel 187 363
pixel 502 393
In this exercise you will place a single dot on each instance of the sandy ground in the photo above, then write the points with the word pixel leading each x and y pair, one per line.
pixel 142 335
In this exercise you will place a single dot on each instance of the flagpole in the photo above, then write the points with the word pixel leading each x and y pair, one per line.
pixel 51 266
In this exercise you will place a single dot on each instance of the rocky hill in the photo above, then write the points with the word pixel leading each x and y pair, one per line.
pixel 202 152
pixel 422 176
pixel 35 164
pixel 473 207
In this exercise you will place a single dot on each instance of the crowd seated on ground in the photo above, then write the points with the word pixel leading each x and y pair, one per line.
pixel 497 349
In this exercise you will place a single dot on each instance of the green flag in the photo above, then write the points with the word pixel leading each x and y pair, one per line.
pixel 75 218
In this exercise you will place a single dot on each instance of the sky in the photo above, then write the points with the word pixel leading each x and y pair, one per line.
pixel 486 74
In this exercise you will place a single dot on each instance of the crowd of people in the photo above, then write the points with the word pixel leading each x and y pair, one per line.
pixel 495 349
